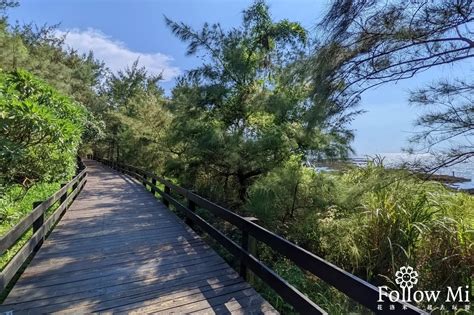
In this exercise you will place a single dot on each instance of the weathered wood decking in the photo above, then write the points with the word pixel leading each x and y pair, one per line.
pixel 118 249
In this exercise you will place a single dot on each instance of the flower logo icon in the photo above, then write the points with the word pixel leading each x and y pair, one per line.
pixel 406 277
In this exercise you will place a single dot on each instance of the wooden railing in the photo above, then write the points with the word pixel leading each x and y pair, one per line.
pixel 359 290
pixel 35 220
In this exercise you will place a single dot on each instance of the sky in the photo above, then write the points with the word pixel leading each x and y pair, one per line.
pixel 120 31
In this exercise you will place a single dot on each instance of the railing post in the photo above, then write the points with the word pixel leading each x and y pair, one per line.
pixel 249 243
pixel 38 224
pixel 153 181
pixel 165 201
pixel 78 165
pixel 144 179
pixel 74 186
pixel 64 196
pixel 192 207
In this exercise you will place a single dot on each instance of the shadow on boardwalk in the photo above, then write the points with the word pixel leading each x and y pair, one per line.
pixel 118 249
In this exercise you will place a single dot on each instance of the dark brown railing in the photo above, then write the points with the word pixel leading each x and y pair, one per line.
pixel 41 227
pixel 359 290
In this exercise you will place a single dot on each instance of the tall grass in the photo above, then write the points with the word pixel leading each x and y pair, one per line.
pixel 369 221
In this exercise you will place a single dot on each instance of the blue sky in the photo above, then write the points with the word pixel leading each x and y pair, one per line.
pixel 119 31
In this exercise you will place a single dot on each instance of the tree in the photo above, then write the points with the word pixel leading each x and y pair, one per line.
pixel 135 118
pixel 449 117
pixel 247 110
pixel 126 89
pixel 377 42
pixel 6 4
pixel 373 42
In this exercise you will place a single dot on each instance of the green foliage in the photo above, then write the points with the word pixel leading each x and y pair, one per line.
pixel 17 202
pixel 370 221
pixel 40 51
pixel 292 190
pixel 41 131
pixel 401 220
pixel 136 119
pixel 247 110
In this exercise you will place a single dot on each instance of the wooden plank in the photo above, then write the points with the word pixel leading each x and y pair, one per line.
pixel 47 261
pixel 44 267
pixel 69 269
pixel 85 244
pixel 65 230
pixel 130 288
pixel 80 243
pixel 214 304
pixel 138 292
pixel 98 233
pixel 247 305
pixel 125 272
pixel 142 243
pixel 114 284
pixel 119 247
pixel 184 302
pixel 59 277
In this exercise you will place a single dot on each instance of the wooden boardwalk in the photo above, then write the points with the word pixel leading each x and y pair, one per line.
pixel 119 250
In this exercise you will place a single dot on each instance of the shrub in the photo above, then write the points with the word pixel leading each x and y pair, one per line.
pixel 40 131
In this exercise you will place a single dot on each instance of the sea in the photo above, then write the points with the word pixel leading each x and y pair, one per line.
pixel 464 170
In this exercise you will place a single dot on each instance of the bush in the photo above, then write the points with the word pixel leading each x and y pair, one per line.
pixel 40 131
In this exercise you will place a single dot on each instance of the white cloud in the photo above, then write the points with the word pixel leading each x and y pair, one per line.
pixel 116 55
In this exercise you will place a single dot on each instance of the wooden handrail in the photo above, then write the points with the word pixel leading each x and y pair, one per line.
pixel 35 220
pixel 359 290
